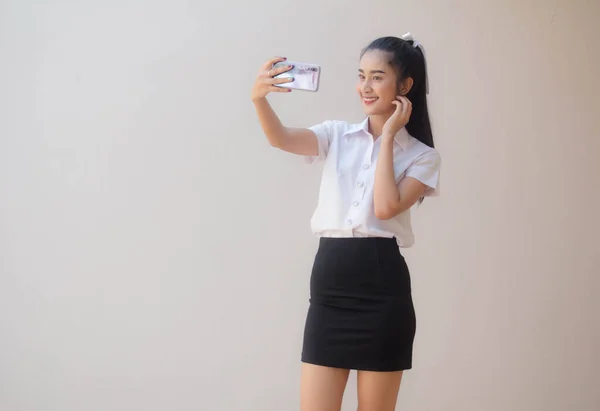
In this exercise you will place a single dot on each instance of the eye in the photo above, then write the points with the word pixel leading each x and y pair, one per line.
pixel 376 78
pixel 360 76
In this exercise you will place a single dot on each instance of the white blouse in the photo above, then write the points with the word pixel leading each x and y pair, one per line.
pixel 345 205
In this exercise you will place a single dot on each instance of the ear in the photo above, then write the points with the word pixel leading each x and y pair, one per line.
pixel 406 85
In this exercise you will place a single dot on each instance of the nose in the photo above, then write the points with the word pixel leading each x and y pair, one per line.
pixel 366 87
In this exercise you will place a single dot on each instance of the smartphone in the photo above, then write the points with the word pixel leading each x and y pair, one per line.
pixel 306 76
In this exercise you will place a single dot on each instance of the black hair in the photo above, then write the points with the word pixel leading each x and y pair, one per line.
pixel 409 61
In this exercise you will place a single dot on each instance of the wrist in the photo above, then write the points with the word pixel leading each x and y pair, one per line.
pixel 259 99
pixel 386 136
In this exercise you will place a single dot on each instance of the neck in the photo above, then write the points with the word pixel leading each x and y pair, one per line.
pixel 376 123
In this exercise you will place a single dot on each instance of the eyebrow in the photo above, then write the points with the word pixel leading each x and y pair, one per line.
pixel 372 71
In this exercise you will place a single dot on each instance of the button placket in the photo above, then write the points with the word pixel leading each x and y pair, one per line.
pixel 359 187
pixel 357 196
pixel 368 157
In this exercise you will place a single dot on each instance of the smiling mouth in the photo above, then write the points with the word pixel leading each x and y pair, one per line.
pixel 370 100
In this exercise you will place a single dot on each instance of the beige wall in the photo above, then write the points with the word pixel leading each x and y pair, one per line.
pixel 155 252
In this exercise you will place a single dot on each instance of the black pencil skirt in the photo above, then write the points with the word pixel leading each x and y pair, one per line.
pixel 361 314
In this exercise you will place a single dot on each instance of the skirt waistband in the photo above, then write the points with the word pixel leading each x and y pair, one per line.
pixel 352 243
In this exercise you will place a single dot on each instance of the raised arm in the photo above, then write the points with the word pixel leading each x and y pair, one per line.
pixel 299 141
pixel 390 200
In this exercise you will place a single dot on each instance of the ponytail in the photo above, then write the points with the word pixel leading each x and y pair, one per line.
pixel 408 59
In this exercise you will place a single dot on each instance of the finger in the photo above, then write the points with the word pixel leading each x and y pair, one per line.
pixel 406 105
pixel 279 70
pixel 269 64
pixel 281 80
pixel 273 72
pixel 279 89
pixel 409 107
pixel 405 100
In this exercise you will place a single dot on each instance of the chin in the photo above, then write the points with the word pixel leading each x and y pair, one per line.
pixel 374 110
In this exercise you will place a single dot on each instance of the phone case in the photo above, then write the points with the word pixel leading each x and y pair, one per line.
pixel 306 76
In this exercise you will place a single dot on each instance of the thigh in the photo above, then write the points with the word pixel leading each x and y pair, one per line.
pixel 322 388
pixel 378 391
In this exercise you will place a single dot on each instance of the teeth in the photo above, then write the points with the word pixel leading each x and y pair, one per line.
pixel 370 98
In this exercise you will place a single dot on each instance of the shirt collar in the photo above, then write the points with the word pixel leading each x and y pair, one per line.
pixel 402 137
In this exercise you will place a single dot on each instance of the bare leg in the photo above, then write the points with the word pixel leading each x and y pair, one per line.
pixel 378 391
pixel 322 388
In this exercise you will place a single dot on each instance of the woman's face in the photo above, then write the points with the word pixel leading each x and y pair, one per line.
pixel 377 83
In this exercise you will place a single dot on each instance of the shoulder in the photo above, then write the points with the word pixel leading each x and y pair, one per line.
pixel 425 165
pixel 422 152
pixel 335 128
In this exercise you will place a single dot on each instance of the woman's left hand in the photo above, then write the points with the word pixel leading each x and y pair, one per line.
pixel 400 117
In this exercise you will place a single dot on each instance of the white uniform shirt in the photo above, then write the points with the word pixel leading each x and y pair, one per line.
pixel 345 206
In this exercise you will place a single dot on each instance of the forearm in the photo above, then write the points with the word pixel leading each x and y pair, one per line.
pixel 386 196
pixel 299 141
pixel 270 123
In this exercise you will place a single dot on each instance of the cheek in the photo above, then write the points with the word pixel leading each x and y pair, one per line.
pixel 358 87
pixel 387 90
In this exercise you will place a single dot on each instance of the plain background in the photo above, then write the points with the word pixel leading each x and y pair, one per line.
pixel 155 252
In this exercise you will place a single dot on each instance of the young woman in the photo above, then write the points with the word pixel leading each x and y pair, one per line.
pixel 361 314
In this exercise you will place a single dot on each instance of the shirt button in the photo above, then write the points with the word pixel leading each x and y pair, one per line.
pixel 360 184
pixel 348 222
pixel 366 166
pixel 355 204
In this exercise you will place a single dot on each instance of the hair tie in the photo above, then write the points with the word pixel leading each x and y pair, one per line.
pixel 416 44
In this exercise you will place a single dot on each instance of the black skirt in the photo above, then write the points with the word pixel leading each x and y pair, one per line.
pixel 361 314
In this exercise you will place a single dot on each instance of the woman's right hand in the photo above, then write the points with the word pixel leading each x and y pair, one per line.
pixel 265 82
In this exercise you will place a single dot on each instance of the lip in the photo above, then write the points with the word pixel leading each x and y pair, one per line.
pixel 369 100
